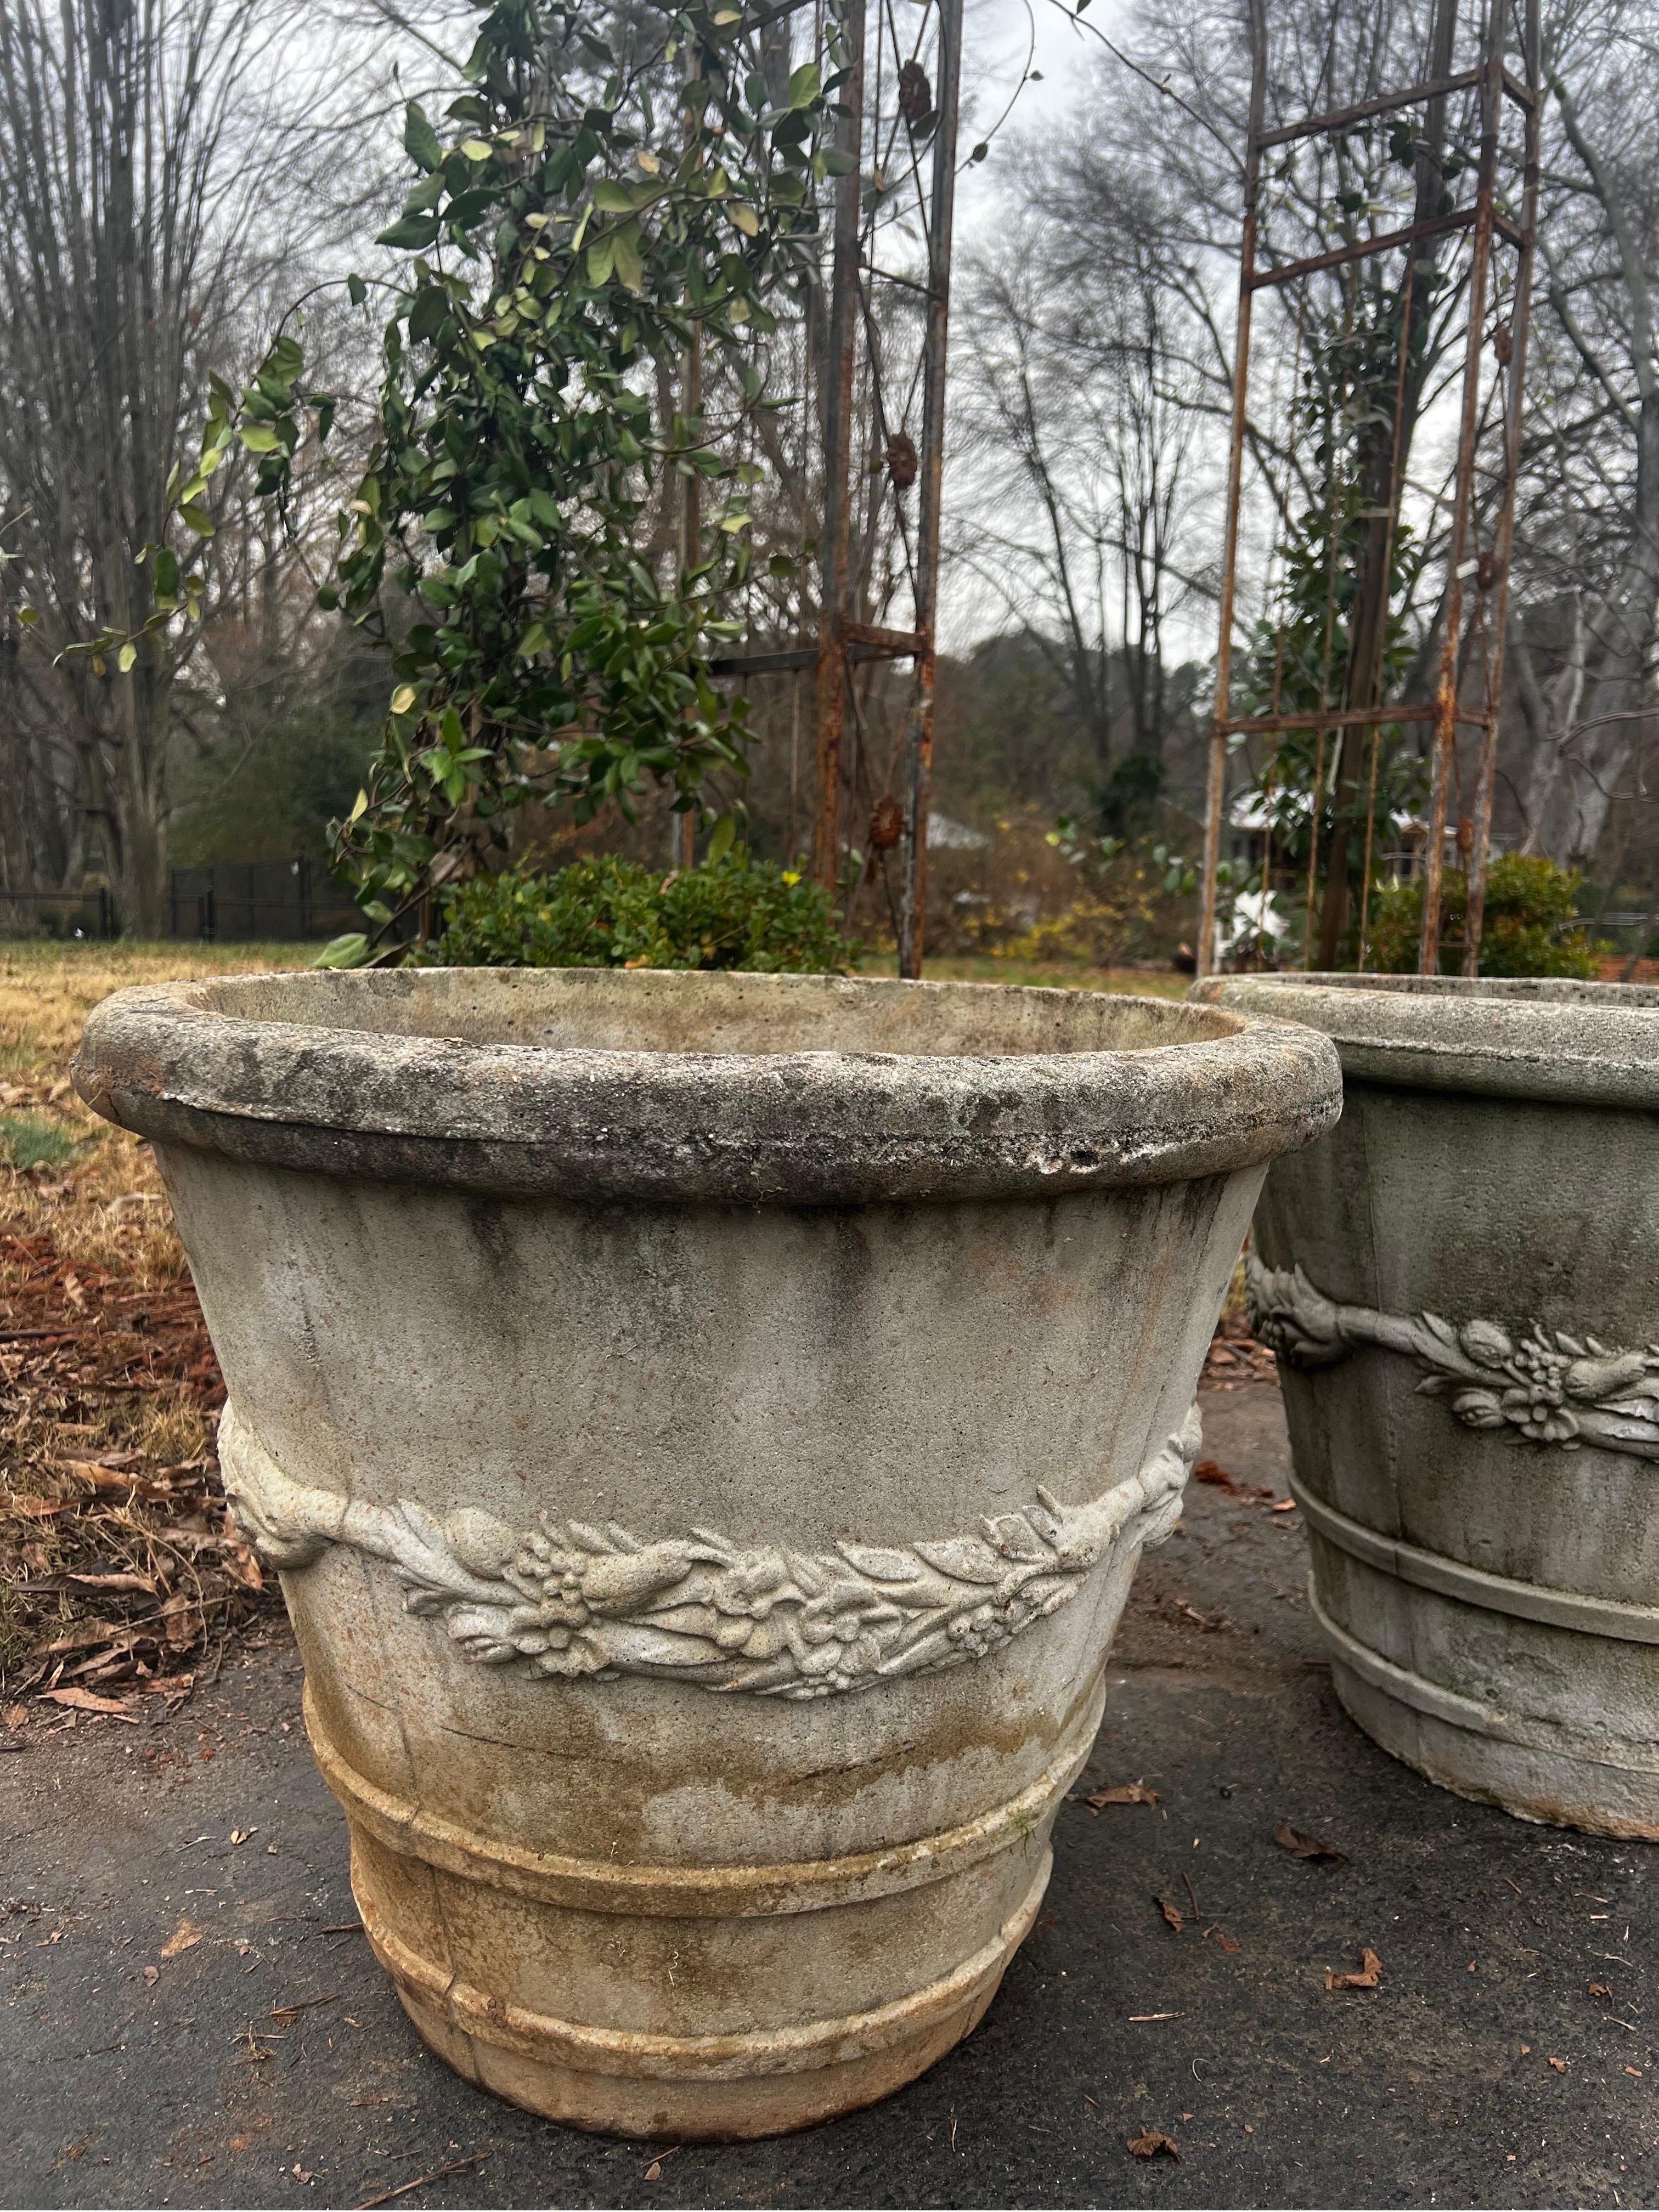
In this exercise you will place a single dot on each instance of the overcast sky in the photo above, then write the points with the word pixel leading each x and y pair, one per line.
pixel 997 38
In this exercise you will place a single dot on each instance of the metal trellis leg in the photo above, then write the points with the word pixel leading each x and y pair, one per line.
pixel 919 749
pixel 1216 792
pixel 838 446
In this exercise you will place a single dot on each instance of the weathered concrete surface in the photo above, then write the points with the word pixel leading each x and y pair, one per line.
pixel 707 1425
pixel 1464 1282
pixel 119 2091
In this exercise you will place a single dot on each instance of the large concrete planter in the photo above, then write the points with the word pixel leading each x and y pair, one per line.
pixel 1463 1284
pixel 707 1425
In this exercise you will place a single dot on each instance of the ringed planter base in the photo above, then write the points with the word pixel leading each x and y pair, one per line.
pixel 1463 1287
pixel 705 1426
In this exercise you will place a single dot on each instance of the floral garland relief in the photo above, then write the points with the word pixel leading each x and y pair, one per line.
pixel 569 1599
pixel 1546 1387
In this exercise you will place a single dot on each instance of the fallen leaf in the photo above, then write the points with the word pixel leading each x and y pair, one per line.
pixel 1229 1943
pixel 16 1717
pixel 1599 1990
pixel 1125 1793
pixel 1369 1974
pixel 239 1562
pixel 1559 2065
pixel 184 1938
pixel 1635 2073
pixel 654 2172
pixel 1172 1913
pixel 1285 1506
pixel 1304 1847
pixel 152 1975
pixel 88 1701
pixel 1150 2144
pixel 241 1835
pixel 1211 1471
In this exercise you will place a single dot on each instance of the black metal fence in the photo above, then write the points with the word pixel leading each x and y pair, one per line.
pixel 234 901
pixel 60 914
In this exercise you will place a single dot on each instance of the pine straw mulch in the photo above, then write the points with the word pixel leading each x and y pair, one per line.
pixel 121 1574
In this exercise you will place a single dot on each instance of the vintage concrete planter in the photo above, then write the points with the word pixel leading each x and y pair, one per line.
pixel 1462 1284
pixel 707 1425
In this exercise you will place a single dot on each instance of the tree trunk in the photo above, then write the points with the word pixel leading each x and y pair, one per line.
pixel 1574 781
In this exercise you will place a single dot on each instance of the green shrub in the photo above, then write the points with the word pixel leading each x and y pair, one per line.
pixel 1528 901
pixel 606 912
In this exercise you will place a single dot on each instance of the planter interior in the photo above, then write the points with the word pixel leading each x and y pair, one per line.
pixel 705 1426
pixel 1463 1284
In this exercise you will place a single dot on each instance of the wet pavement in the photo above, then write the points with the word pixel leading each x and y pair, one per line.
pixel 186 2016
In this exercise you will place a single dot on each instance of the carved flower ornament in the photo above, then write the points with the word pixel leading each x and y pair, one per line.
pixel 1544 1388
pixel 570 1598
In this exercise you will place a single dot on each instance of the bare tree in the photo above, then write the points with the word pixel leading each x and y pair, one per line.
pixel 157 161
pixel 1584 637
pixel 1082 440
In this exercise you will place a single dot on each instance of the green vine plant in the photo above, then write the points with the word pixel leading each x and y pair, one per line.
pixel 1299 657
pixel 1366 359
pixel 609 192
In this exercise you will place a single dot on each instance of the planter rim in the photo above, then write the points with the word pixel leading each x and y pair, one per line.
pixel 1545 1037
pixel 416 1075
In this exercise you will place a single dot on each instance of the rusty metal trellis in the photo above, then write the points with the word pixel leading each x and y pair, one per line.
pixel 1470 620
pixel 843 642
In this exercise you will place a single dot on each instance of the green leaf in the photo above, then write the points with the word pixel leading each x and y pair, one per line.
pixel 601 258
pixel 402 700
pixel 199 520
pixel 421 141
pixel 744 217
pixel 612 197
pixel 356 290
pixel 805 85
pixel 723 837
pixel 29 617
pixel 127 656
pixel 625 252
pixel 430 311
pixel 259 437
pixel 348 951
pixel 413 232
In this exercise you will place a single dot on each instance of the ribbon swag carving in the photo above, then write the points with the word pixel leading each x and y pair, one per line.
pixel 1544 1387
pixel 569 1599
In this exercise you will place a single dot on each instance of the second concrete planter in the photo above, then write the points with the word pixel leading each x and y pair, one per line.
pixel 705 1426
pixel 1462 1286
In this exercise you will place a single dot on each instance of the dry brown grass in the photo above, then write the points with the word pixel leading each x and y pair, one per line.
pixel 104 1205
pixel 117 1571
